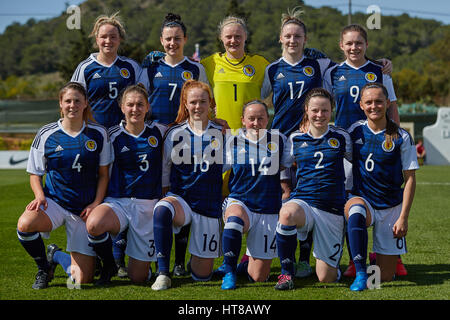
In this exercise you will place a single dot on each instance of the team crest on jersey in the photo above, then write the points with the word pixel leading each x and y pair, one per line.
pixel 371 77
pixel 215 144
pixel 334 143
pixel 272 147
pixel 186 75
pixel 388 146
pixel 152 141
pixel 125 73
pixel 308 71
pixel 91 145
pixel 249 70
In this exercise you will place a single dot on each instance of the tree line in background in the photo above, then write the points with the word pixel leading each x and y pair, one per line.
pixel 39 56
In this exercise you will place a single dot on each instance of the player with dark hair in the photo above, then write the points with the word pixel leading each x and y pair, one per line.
pixel 384 158
pixel 73 154
pixel 164 79
pixel 345 81
pixel 134 189
pixel 317 202
pixel 255 155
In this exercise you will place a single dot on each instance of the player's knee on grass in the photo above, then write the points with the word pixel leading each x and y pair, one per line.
pixel 259 275
pixel 201 268
pixel 82 268
pixel 138 271
pixel 387 264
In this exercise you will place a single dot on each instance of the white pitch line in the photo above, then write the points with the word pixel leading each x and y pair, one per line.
pixel 435 183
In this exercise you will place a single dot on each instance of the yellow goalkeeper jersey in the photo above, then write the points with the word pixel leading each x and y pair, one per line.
pixel 234 82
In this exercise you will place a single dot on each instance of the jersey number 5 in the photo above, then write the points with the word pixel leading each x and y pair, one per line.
pixel 113 91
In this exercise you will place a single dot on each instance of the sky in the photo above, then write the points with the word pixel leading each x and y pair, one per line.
pixel 426 9
pixel 22 10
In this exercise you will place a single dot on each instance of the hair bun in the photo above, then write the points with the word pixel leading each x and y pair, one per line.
pixel 173 17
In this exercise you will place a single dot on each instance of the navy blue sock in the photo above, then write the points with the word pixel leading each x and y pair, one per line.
pixel 34 246
pixel 357 236
pixel 64 260
pixel 119 245
pixel 242 269
pixel 162 229
pixel 305 248
pixel 181 242
pixel 102 246
pixel 286 244
pixel 232 241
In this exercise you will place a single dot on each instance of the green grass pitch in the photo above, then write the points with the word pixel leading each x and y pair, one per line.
pixel 427 262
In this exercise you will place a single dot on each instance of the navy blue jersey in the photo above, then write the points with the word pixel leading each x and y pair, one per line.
pixel 164 82
pixel 104 84
pixel 290 83
pixel 70 163
pixel 378 165
pixel 194 167
pixel 320 168
pixel 136 171
pixel 345 83
pixel 255 170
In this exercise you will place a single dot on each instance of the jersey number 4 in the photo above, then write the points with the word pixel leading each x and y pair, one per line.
pixel 77 165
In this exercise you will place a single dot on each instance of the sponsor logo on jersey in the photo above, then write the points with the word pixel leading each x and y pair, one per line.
pixel 124 149
pixel 221 71
pixel 371 77
pixel 215 144
pixel 249 70
pixel 158 75
pixel 59 148
pixel 308 71
pixel 186 75
pixel 272 147
pixel 342 78
pixel 91 145
pixel 96 76
pixel 334 143
pixel 152 141
pixel 125 73
pixel 388 146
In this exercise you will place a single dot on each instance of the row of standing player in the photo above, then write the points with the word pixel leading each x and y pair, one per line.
pixel 233 34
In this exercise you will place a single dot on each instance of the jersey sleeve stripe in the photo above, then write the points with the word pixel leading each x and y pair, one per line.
pixel 41 132
pixel 354 125
pixel 78 75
